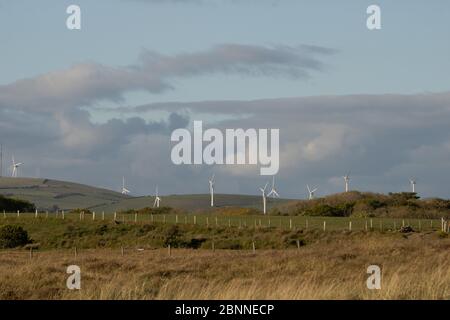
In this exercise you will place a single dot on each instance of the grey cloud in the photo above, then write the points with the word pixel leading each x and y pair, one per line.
pixel 86 84
pixel 382 139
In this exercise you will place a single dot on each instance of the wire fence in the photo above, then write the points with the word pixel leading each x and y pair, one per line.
pixel 250 221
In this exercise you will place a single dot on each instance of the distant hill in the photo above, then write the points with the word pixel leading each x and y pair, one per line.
pixel 50 194
pixel 192 202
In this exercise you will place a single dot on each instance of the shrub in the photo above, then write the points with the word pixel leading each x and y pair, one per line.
pixel 12 205
pixel 12 236
pixel 342 210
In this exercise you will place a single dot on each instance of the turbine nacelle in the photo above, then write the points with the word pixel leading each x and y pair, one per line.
pixel 273 192
pixel 15 167
pixel 311 192
pixel 124 189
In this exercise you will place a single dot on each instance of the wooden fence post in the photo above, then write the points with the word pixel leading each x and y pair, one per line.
pixel 35 214
pixel 290 224
pixel 4 214
pixel 195 219
pixel 31 253
pixel 324 225
pixel 18 214
pixel 349 226
pixel 93 215
pixel 176 219
pixel 115 216
pixel 170 251
pixel 103 215
pixel 76 252
pixel 135 217
pixel 253 245
pixel 298 244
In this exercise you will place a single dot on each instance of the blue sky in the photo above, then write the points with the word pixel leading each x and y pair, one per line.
pixel 409 55
pixel 55 85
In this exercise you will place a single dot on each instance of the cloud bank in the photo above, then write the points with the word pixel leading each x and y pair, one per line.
pixel 46 121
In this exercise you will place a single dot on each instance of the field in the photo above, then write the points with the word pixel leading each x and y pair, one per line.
pixel 415 267
pixel 128 260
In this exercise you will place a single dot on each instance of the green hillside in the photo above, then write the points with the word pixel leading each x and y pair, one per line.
pixel 191 202
pixel 51 194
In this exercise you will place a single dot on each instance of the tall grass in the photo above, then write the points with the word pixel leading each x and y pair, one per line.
pixel 416 267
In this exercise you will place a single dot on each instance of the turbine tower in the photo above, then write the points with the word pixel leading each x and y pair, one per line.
pixel 124 190
pixel 15 167
pixel 413 184
pixel 157 199
pixel 263 190
pixel 211 189
pixel 273 192
pixel 311 192
pixel 346 180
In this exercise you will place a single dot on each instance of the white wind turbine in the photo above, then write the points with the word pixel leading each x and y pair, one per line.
pixel 124 190
pixel 346 180
pixel 157 199
pixel 263 190
pixel 15 167
pixel 311 192
pixel 273 192
pixel 413 184
pixel 211 189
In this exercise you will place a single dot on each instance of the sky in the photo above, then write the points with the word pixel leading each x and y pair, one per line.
pixel 96 104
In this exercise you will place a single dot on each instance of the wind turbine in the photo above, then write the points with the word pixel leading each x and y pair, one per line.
pixel 124 190
pixel 211 189
pixel 157 199
pixel 311 192
pixel 347 180
pixel 273 192
pixel 413 184
pixel 15 167
pixel 263 190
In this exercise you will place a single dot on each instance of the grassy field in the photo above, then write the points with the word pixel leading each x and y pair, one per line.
pixel 415 267
pixel 249 221
pixel 130 260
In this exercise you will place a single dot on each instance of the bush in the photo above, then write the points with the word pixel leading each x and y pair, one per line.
pixel 12 236
pixel 12 205
pixel 342 210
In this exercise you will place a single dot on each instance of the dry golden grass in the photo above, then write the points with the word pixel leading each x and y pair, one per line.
pixel 413 268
